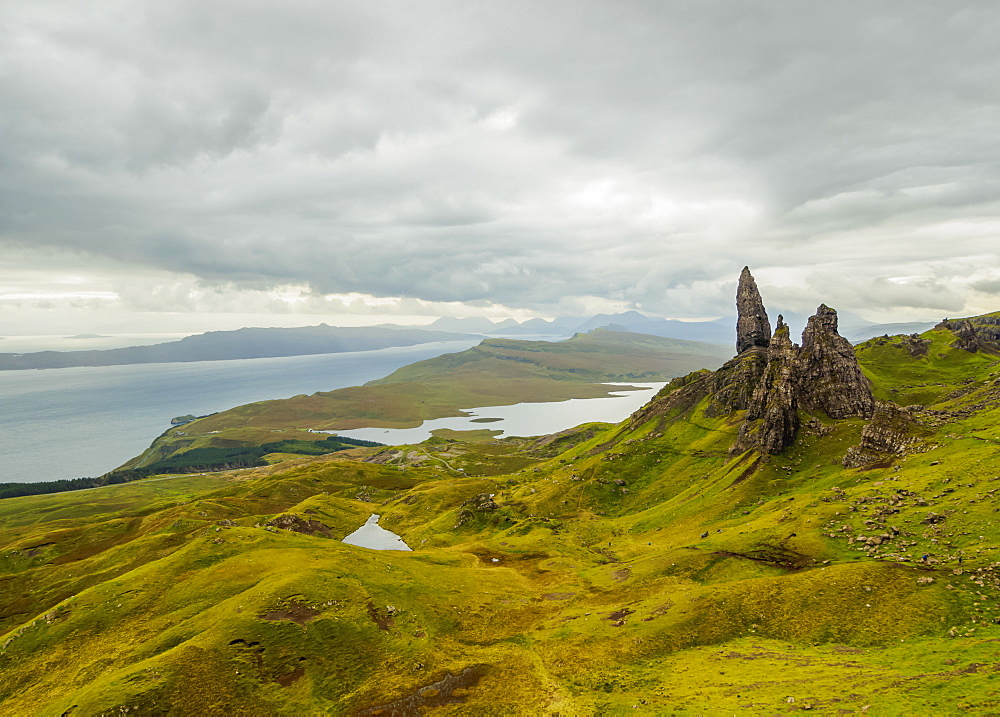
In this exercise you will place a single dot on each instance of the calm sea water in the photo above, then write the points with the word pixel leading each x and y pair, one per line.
pixel 73 422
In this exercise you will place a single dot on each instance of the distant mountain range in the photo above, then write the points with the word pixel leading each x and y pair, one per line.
pixel 853 327
pixel 239 344
pixel 306 340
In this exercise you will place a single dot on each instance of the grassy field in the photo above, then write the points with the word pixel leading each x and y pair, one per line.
pixel 612 569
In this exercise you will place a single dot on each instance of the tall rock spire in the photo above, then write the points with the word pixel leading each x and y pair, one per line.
pixel 752 325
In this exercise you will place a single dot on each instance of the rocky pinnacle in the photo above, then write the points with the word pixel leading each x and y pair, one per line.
pixel 752 325
pixel 830 377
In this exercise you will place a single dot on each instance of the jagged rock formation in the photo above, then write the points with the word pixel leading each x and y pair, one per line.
pixel 831 379
pixel 981 333
pixel 733 385
pixel 821 376
pixel 772 417
pixel 966 337
pixel 987 327
pixel 772 379
pixel 890 432
pixel 752 325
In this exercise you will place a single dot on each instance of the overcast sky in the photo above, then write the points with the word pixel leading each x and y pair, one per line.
pixel 338 160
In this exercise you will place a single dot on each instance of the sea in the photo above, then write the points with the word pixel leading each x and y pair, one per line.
pixel 76 422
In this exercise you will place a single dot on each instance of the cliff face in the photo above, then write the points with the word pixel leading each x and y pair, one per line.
pixel 772 418
pixel 890 432
pixel 831 380
pixel 752 325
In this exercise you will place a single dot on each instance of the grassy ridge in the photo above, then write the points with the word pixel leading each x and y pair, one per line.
pixel 496 372
pixel 636 568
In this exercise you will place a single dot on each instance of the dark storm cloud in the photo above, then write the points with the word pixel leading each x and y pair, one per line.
pixel 527 154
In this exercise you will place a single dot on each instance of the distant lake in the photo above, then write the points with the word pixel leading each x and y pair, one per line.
pixel 522 419
pixel 85 421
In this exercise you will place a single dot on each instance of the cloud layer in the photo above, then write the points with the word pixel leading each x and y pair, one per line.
pixel 550 157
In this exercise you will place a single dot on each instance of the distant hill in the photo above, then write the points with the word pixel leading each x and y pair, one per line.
pixel 240 344
pixel 857 334
pixel 494 373
pixel 564 326
pixel 475 324
pixel 853 327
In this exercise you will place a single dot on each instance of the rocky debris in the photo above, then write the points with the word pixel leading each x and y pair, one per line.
pixel 481 504
pixel 890 432
pixel 933 518
pixel 830 378
pixel 752 325
pixel 299 525
pixel 915 345
pixel 388 455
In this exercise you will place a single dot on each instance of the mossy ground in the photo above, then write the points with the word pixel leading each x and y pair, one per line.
pixel 630 569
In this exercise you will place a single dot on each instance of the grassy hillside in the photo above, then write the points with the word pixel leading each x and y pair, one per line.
pixel 637 568
pixel 496 372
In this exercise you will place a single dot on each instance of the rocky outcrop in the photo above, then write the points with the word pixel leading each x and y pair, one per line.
pixel 752 325
pixel 300 525
pixel 890 432
pixel 821 376
pixel 772 379
pixel 772 418
pixel 830 377
pixel 980 333
pixel 481 504
pixel 732 386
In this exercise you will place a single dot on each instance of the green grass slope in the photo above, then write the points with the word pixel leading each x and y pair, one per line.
pixel 637 568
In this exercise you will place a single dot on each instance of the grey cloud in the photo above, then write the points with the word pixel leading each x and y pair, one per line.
pixel 538 155
pixel 987 286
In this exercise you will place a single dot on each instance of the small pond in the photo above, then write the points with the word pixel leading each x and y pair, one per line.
pixel 372 535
